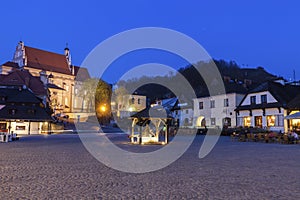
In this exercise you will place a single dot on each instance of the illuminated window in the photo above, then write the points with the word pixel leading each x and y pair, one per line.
pixel 247 121
pixel 258 121
pixel 271 120
pixel 275 120
pixel 20 128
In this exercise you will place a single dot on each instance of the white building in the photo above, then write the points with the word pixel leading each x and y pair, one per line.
pixel 218 111
pixel 266 106
pixel 131 104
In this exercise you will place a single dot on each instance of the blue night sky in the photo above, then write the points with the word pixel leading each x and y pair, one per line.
pixel 252 33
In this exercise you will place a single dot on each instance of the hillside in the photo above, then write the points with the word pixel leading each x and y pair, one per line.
pixel 233 77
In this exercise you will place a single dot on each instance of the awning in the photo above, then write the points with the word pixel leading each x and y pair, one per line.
pixel 293 116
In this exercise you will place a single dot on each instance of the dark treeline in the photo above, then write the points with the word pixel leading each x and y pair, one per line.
pixel 157 87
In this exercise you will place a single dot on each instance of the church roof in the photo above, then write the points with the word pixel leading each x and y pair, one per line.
pixel 48 61
pixel 81 73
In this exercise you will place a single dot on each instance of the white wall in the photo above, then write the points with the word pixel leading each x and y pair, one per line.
pixel 270 98
pixel 278 113
pixel 220 111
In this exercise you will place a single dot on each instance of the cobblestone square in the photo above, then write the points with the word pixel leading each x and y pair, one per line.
pixel 59 167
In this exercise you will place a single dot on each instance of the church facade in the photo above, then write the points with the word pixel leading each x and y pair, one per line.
pixel 58 75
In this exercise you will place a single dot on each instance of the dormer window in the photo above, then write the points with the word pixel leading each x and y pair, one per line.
pixel 253 100
pixel 263 99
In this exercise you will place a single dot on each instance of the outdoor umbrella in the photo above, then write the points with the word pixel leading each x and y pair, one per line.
pixel 293 116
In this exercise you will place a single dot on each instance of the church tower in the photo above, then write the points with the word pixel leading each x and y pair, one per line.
pixel 68 57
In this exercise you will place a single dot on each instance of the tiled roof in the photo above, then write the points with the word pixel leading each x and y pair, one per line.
pixel 22 113
pixel 153 112
pixel 23 77
pixel 48 61
pixel 53 86
pixel 26 105
pixel 282 93
pixel 11 64
pixel 81 73
pixel 235 88
pixel 294 103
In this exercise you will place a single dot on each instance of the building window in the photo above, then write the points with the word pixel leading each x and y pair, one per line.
pixel 271 120
pixel 132 100
pixel 201 105
pixel 139 101
pixel 226 102
pixel 212 103
pixel 263 98
pixel 280 120
pixel 258 121
pixel 213 121
pixel 186 111
pixel 227 122
pixel 2 126
pixel 253 100
pixel 240 121
pixel 275 120
pixel 20 128
pixel 247 121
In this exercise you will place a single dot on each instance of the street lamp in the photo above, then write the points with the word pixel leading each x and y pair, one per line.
pixel 103 108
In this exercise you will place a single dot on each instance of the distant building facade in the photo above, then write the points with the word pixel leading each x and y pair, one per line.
pixel 56 72
pixel 131 104
pixel 218 111
pixel 21 112
pixel 267 106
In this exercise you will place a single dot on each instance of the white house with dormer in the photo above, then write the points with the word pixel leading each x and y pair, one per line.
pixel 267 106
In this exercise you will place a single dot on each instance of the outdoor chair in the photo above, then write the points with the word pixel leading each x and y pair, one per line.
pixel 248 137
pixel 242 138
pixel 267 138
pixel 279 138
pixel 260 137
pixel 285 139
